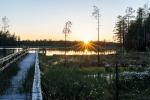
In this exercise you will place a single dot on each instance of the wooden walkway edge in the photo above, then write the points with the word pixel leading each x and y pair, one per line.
pixel 36 88
pixel 6 61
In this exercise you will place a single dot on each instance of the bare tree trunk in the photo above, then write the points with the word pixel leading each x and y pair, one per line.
pixel 65 51
pixel 98 42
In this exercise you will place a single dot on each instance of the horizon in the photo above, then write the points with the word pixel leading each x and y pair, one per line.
pixel 44 19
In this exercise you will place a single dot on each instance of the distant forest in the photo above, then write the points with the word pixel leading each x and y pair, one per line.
pixel 8 40
pixel 133 32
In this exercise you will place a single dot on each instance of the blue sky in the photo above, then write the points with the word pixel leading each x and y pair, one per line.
pixel 45 19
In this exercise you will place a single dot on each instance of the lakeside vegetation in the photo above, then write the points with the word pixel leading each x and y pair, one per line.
pixel 69 83
pixel 81 80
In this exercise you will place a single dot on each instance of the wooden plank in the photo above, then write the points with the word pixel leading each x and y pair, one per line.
pixel 5 59
pixel 36 88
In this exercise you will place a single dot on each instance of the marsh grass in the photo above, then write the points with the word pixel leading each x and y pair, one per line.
pixel 72 83
pixel 136 88
pixel 62 83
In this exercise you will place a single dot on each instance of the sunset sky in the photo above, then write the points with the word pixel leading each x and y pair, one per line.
pixel 45 19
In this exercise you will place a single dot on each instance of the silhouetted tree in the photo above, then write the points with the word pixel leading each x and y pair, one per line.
pixel 120 30
pixel 135 35
pixel 6 39
pixel 96 14
pixel 66 31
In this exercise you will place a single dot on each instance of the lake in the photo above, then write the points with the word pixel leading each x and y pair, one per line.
pixel 50 52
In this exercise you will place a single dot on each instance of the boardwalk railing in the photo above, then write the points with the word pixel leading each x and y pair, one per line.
pixel 6 61
pixel 36 88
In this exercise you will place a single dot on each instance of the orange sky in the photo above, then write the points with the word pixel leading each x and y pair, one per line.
pixel 45 19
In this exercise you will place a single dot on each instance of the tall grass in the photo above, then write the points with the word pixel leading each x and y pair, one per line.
pixel 73 83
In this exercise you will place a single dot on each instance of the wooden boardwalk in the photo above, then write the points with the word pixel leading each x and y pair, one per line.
pixel 36 88
pixel 6 61
pixel 17 81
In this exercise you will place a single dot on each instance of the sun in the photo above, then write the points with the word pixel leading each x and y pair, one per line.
pixel 86 43
pixel 86 39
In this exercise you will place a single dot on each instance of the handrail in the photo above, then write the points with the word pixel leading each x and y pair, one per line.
pixel 36 88
pixel 10 56
pixel 6 61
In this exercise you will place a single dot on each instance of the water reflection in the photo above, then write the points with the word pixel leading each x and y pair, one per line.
pixel 109 77
pixel 71 52
pixel 49 52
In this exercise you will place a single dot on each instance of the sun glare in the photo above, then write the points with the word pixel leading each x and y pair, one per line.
pixel 86 39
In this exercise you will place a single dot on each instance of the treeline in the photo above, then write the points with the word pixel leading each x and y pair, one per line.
pixel 70 44
pixel 45 43
pixel 6 39
pixel 133 32
pixel 9 40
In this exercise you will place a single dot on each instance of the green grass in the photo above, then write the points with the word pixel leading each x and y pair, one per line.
pixel 92 69
pixel 72 82
pixel 63 83
pixel 136 88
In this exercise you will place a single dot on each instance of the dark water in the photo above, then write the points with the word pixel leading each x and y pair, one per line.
pixel 6 51
pixel 49 52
